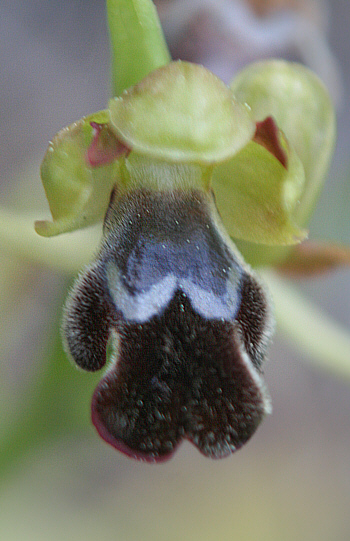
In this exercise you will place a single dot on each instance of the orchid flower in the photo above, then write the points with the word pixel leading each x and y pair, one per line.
pixel 196 183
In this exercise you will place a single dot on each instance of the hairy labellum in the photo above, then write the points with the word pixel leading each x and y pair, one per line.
pixel 189 322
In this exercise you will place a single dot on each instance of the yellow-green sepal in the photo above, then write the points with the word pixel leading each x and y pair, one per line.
pixel 301 106
pixel 256 195
pixel 78 194
pixel 182 113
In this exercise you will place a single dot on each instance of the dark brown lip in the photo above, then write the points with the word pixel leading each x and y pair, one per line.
pixel 186 368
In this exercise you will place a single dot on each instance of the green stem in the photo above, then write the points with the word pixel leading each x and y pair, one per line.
pixel 137 42
pixel 66 253
pixel 59 405
pixel 325 342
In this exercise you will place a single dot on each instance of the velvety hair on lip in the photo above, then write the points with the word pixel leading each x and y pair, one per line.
pixel 189 324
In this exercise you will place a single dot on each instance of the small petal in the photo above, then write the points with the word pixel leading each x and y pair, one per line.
pixel 105 147
pixel 267 135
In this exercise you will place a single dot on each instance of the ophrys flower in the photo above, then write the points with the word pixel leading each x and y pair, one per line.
pixel 187 319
